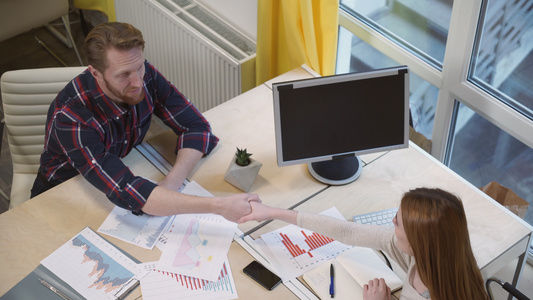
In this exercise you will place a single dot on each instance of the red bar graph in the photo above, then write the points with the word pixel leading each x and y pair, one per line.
pixel 294 249
pixel 192 283
pixel 314 241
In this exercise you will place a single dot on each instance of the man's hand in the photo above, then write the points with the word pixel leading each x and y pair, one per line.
pixel 236 206
pixel 376 289
pixel 262 212
pixel 258 213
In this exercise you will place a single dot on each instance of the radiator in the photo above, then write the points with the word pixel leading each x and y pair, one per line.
pixel 206 58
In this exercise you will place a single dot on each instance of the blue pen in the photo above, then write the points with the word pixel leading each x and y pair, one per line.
pixel 332 278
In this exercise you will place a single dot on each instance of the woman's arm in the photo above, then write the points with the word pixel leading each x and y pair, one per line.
pixel 350 233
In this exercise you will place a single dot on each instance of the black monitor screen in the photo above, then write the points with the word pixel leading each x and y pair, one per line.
pixel 357 113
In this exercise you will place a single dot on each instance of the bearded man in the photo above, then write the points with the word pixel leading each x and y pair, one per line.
pixel 103 113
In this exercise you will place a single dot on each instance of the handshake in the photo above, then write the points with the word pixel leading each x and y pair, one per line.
pixel 242 208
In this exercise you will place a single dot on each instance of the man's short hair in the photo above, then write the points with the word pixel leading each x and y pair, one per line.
pixel 121 36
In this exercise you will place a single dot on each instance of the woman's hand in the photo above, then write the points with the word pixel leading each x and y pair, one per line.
pixel 376 289
pixel 262 212
pixel 238 206
pixel 258 213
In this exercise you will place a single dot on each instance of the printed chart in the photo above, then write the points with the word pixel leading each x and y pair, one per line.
pixel 294 250
pixel 143 231
pixel 302 249
pixel 163 285
pixel 199 246
pixel 92 266
pixel 313 241
pixel 188 254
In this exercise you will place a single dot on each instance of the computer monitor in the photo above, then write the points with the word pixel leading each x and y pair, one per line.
pixel 327 122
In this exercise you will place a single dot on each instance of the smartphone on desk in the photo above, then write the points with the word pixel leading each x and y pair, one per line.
pixel 262 275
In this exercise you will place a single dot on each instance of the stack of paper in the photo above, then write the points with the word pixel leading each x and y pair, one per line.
pixel 194 247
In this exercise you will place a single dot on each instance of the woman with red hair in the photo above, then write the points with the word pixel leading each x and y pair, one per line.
pixel 429 241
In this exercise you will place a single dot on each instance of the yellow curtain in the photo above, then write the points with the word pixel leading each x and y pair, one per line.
pixel 105 6
pixel 295 32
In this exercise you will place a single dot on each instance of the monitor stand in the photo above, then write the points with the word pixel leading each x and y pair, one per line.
pixel 336 171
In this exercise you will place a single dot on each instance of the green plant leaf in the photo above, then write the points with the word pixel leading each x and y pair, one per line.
pixel 242 157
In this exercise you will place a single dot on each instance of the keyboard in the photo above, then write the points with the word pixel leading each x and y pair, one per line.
pixel 381 217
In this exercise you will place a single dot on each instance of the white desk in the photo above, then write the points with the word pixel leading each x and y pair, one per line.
pixel 497 235
pixel 36 228
pixel 33 230
pixel 247 121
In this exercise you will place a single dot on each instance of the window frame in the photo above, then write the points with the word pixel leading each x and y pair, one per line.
pixel 452 81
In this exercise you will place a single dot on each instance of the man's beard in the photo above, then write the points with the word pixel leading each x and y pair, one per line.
pixel 125 98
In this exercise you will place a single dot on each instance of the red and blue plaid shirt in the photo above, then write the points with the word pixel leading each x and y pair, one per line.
pixel 87 133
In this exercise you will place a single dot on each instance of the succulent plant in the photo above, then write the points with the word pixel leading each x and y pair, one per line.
pixel 242 158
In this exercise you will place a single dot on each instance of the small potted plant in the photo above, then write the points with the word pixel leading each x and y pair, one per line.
pixel 242 170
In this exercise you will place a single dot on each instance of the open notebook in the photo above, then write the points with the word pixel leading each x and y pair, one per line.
pixel 353 269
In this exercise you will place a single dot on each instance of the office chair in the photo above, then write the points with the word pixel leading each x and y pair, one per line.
pixel 26 97
pixel 1 128
pixel 20 16
pixel 506 286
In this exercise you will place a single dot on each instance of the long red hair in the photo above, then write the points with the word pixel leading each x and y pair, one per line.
pixel 436 227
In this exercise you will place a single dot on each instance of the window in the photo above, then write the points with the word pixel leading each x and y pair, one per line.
pixel 497 156
pixel 356 56
pixel 419 26
pixel 502 63
pixel 471 67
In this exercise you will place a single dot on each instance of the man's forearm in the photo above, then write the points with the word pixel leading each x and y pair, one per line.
pixel 165 202
pixel 186 161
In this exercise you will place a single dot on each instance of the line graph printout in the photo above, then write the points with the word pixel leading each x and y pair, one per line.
pixel 143 231
pixel 197 245
pixel 190 188
pixel 161 285
pixel 146 230
pixel 294 250
pixel 93 267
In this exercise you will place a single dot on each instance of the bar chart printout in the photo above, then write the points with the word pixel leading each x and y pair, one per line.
pixel 93 267
pixel 313 241
pixel 294 250
pixel 162 285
